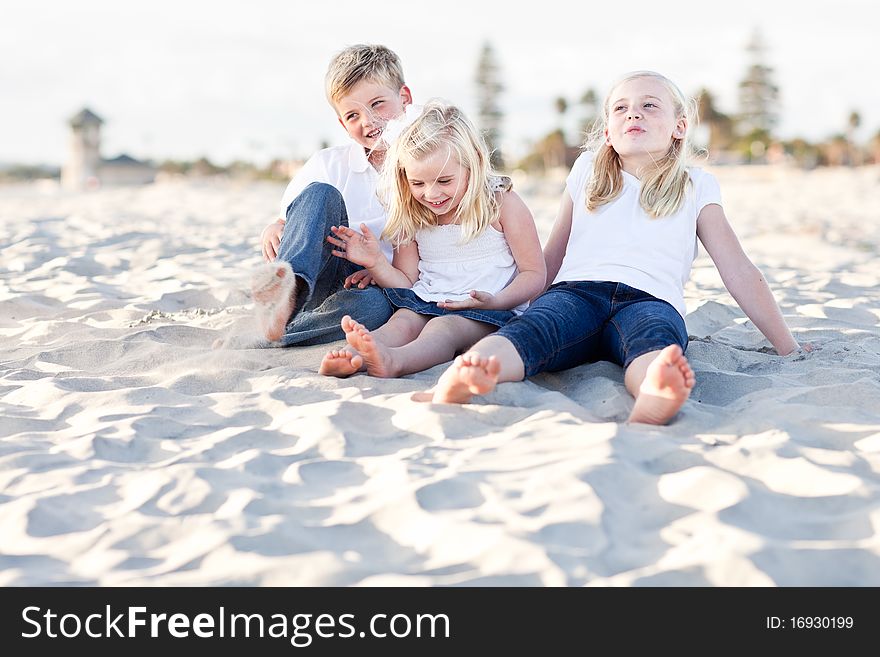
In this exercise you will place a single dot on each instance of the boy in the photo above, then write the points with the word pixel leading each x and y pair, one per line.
pixel 302 295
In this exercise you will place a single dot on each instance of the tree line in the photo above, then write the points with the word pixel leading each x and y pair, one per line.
pixel 747 136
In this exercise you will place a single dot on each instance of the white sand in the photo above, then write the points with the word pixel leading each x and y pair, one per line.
pixel 133 454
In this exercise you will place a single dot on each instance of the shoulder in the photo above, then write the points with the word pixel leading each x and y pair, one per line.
pixel 334 155
pixel 513 209
pixel 706 190
pixel 701 178
pixel 583 162
pixel 580 170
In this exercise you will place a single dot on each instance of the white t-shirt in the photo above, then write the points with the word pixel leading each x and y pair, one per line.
pixel 347 169
pixel 619 242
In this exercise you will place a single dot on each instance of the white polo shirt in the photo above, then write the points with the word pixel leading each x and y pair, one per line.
pixel 619 242
pixel 347 169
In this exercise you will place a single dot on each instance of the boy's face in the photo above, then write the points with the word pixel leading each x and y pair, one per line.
pixel 365 110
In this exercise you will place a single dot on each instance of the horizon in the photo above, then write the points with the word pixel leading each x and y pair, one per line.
pixel 229 81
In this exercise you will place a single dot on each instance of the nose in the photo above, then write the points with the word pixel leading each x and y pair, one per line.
pixel 634 114
pixel 432 193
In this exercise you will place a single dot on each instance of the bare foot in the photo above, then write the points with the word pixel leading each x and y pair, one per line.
pixel 376 356
pixel 274 290
pixel 470 374
pixel 341 363
pixel 667 385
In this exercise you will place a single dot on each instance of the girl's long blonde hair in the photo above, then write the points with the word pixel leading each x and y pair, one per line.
pixel 440 125
pixel 665 184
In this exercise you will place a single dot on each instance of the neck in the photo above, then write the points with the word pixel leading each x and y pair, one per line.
pixel 634 166
pixel 375 158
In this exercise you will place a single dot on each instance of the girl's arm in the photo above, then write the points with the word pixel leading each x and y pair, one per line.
pixel 743 280
pixel 406 262
pixel 557 243
pixel 522 238
pixel 363 249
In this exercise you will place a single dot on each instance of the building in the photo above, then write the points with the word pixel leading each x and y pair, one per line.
pixel 86 169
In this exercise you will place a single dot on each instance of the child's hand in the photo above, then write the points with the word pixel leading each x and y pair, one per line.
pixel 361 279
pixel 477 299
pixel 359 248
pixel 270 239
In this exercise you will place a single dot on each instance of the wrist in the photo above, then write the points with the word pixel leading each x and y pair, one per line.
pixel 380 266
pixel 787 347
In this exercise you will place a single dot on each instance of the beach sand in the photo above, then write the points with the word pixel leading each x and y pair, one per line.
pixel 131 453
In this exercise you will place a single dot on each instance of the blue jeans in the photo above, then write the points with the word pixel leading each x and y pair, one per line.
pixel 585 321
pixel 322 301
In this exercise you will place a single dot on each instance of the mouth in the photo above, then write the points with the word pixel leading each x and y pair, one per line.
pixel 634 129
pixel 374 134
pixel 439 204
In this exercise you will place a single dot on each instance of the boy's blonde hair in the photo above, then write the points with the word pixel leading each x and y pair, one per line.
pixel 362 62
pixel 665 184
pixel 440 126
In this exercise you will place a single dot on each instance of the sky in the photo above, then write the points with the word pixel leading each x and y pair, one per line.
pixel 231 80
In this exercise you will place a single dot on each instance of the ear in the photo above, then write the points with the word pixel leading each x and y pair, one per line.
pixel 680 128
pixel 339 118
pixel 607 138
pixel 405 96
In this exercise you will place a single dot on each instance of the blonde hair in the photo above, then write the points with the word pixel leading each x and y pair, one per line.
pixel 665 184
pixel 439 125
pixel 362 62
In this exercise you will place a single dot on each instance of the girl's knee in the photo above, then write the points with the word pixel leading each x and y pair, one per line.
pixel 453 323
pixel 408 318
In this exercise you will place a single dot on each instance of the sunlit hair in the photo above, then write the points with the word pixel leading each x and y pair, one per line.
pixel 362 62
pixel 665 183
pixel 442 128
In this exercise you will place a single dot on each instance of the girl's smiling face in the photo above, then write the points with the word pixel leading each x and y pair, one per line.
pixel 438 181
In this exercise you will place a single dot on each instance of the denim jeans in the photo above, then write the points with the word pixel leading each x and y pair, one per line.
pixel 323 301
pixel 585 321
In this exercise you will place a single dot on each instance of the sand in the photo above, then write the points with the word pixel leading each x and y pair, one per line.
pixel 131 453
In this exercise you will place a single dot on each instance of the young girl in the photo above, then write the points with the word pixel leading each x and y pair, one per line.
pixel 467 256
pixel 619 255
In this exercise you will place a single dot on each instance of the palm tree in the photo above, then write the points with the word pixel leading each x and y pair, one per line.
pixel 590 102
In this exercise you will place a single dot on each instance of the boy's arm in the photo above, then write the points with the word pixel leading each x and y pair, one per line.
pixel 743 279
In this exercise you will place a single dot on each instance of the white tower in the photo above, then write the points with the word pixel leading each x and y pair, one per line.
pixel 84 154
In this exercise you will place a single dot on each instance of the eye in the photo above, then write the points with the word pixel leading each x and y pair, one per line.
pixel 351 117
pixel 415 183
pixel 378 102
pixel 445 181
pixel 650 105
pixel 619 107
